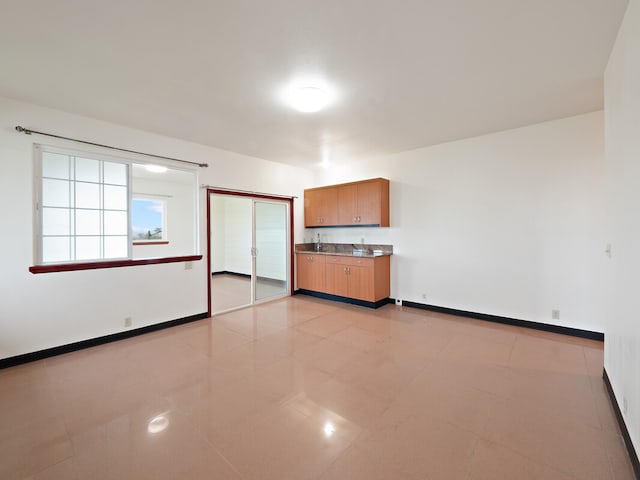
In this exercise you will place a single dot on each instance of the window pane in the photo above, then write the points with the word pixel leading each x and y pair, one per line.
pixel 55 249
pixel 55 193
pixel 115 247
pixel 87 248
pixel 115 173
pixel 148 219
pixel 115 198
pixel 115 223
pixel 87 222
pixel 55 165
pixel 56 221
pixel 87 195
pixel 87 170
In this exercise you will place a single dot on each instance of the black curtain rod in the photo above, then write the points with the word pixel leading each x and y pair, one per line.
pixel 29 132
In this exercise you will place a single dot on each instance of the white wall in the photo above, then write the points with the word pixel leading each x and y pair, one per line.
pixel 622 126
pixel 271 241
pixel 237 235
pixel 506 224
pixel 232 237
pixel 45 310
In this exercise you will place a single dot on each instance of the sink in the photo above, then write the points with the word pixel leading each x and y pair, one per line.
pixel 362 251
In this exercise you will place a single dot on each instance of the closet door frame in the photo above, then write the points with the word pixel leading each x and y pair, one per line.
pixel 254 196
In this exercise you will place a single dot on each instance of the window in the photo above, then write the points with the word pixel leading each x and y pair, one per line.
pixel 86 211
pixel 149 223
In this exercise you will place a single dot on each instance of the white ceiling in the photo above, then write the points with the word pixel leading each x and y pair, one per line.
pixel 408 73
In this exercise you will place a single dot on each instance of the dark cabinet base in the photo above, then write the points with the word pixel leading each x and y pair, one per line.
pixel 338 298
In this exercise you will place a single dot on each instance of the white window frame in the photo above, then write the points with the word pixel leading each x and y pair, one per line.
pixel 39 149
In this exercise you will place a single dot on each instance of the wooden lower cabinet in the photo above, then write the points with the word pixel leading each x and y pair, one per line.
pixel 336 280
pixel 311 272
pixel 359 278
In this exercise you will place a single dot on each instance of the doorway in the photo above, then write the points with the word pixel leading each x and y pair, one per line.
pixel 250 249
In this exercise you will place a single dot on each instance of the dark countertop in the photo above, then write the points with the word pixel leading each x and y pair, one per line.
pixel 346 249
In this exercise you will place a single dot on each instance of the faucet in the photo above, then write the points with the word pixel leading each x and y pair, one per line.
pixel 318 244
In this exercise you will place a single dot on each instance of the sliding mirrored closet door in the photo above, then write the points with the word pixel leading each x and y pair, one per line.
pixel 250 250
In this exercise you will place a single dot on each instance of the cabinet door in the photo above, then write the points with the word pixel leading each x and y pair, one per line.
pixel 336 279
pixel 348 205
pixel 310 272
pixel 320 207
pixel 361 285
pixel 369 198
pixel 312 200
pixel 329 206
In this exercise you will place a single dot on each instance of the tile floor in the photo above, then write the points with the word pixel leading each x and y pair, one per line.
pixel 230 291
pixel 302 388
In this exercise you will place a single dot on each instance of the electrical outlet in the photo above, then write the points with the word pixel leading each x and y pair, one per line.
pixel 188 265
pixel 399 301
pixel 362 240
pixel 555 314
pixel 424 296
pixel 128 322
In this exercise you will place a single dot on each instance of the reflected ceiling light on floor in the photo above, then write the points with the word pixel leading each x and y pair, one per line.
pixel 308 96
pixel 329 429
pixel 158 424
pixel 155 168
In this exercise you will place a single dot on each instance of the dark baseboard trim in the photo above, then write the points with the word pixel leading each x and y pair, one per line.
pixel 633 456
pixel 226 272
pixel 574 332
pixel 93 342
pixel 338 298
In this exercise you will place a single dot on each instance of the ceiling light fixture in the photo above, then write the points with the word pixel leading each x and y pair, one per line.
pixel 309 99
pixel 155 168
pixel 308 95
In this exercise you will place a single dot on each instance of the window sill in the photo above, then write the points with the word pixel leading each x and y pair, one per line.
pixel 70 267
pixel 158 242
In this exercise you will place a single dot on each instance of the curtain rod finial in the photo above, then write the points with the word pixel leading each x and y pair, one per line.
pixel 22 129
pixel 203 165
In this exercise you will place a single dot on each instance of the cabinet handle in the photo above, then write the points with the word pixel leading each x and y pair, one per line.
pixel 355 219
pixel 359 219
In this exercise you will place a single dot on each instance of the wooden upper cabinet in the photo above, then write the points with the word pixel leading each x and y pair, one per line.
pixel 347 205
pixel 320 207
pixel 357 203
